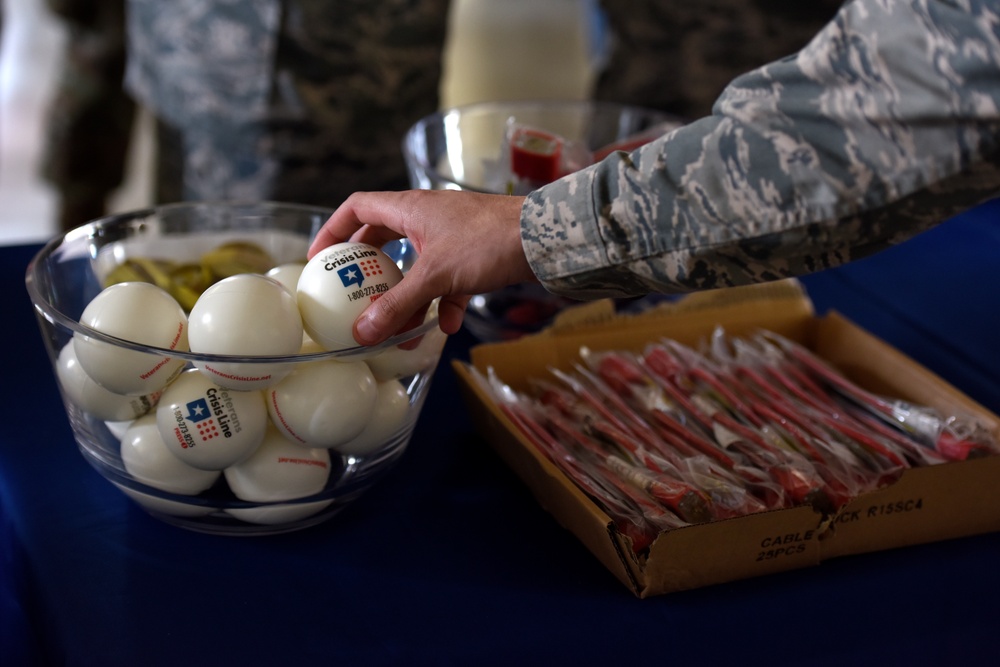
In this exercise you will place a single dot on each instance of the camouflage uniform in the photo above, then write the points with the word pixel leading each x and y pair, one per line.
pixel 289 100
pixel 677 56
pixel 90 117
pixel 884 125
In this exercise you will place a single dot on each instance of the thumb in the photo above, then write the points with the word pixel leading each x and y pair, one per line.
pixel 390 313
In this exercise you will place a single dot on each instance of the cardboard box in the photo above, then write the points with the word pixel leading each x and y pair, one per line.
pixel 926 504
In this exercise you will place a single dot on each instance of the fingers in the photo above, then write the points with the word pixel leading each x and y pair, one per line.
pixel 323 239
pixel 371 326
pixel 375 236
pixel 451 312
pixel 466 243
pixel 391 312
pixel 367 217
pixel 375 219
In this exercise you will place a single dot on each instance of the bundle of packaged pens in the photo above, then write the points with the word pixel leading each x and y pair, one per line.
pixel 673 435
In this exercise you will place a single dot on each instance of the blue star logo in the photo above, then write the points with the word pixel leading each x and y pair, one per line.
pixel 198 410
pixel 351 275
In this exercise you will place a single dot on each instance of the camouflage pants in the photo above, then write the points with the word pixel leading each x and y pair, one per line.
pixel 349 79
pixel 89 123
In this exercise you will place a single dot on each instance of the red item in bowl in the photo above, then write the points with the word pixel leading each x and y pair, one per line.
pixel 535 155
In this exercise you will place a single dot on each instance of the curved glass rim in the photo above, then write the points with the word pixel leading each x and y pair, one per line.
pixel 588 105
pixel 57 317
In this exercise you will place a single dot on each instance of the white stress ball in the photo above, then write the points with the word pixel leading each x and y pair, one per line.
pixel 279 470
pixel 323 403
pixel 281 513
pixel 207 426
pixel 392 407
pixel 140 313
pixel 147 458
pixel 91 397
pixel 309 346
pixel 287 274
pixel 336 285
pixel 158 505
pixel 117 429
pixel 396 362
pixel 245 315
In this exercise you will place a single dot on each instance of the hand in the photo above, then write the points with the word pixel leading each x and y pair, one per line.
pixel 467 243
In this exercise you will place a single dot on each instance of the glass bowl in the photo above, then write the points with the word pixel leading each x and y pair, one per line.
pixel 359 404
pixel 461 148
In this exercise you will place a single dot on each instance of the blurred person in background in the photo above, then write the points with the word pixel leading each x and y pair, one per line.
pixel 89 121
pixel 301 101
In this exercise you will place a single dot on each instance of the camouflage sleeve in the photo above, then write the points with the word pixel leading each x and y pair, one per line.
pixel 885 124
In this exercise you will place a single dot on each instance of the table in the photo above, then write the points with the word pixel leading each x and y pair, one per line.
pixel 449 560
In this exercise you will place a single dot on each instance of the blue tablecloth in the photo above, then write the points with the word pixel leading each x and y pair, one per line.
pixel 449 560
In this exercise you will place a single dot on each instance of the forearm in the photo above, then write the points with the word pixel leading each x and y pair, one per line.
pixel 884 125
